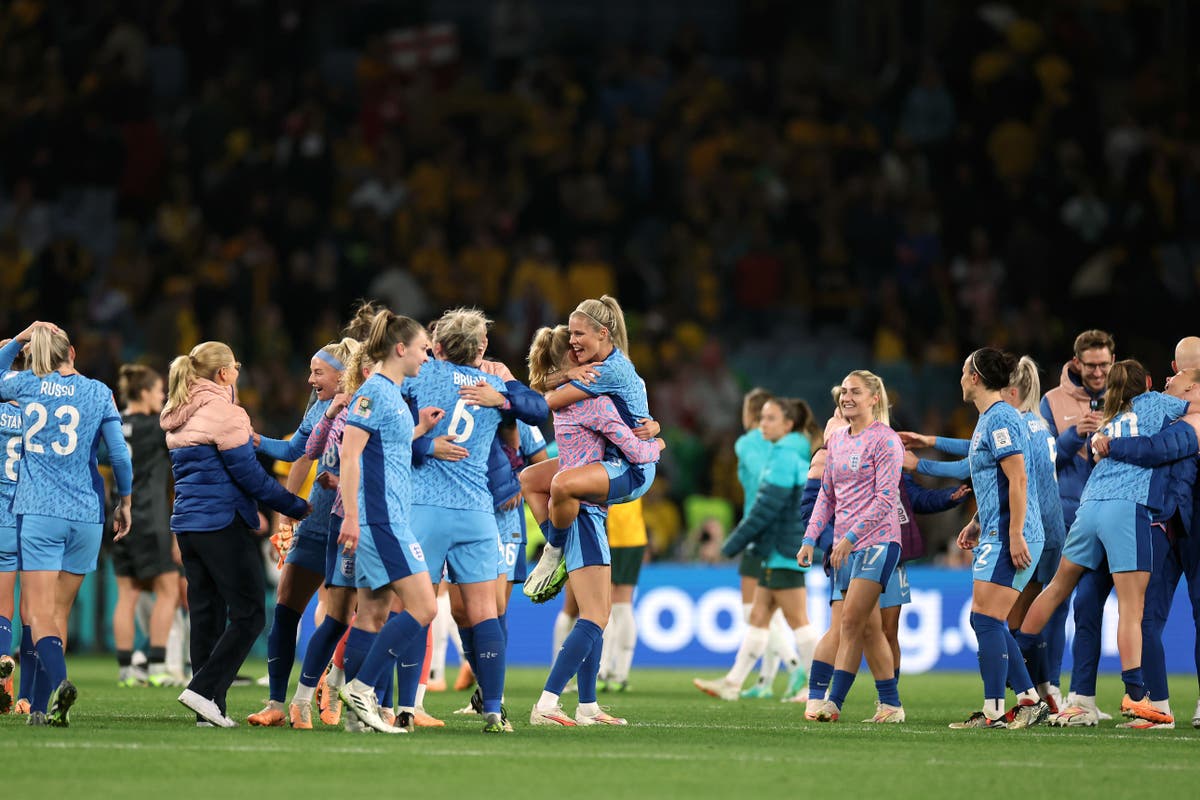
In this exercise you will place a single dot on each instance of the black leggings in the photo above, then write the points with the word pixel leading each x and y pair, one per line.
pixel 225 582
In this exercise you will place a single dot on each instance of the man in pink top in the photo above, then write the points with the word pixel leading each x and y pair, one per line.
pixel 859 491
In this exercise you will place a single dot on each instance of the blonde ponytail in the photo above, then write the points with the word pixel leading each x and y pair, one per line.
pixel 1027 383
pixel 48 350
pixel 606 313
pixel 205 360
pixel 547 354
pixel 874 384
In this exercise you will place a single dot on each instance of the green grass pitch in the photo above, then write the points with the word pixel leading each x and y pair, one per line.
pixel 134 743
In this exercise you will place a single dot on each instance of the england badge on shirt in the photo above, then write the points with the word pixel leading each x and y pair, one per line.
pixel 855 460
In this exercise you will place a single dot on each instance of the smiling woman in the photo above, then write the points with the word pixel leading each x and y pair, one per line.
pixel 1006 538
pixel 303 568
pixel 218 484
pixel 859 493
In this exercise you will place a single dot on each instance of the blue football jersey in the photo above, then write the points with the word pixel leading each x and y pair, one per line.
pixel 1001 433
pixel 62 416
pixel 10 452
pixel 455 484
pixel 618 379
pixel 385 488
pixel 1117 480
pixel 1042 453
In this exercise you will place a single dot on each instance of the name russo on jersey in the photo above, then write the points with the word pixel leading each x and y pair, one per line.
pixel 56 390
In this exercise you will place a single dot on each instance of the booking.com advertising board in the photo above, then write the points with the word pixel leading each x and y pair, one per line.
pixel 691 616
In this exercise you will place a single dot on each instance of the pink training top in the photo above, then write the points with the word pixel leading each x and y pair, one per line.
pixel 326 436
pixel 859 488
pixel 314 447
pixel 581 429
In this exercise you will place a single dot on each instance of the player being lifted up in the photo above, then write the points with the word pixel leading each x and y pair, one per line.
pixel 598 345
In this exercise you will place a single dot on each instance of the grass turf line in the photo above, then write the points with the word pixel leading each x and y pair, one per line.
pixel 132 743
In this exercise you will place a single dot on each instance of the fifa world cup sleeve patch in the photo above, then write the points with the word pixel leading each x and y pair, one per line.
pixel 1000 437
pixel 363 407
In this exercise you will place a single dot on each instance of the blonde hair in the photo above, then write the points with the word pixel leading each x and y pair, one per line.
pixel 1027 383
pixel 359 326
pixel 606 313
pixel 205 360
pixel 875 386
pixel 460 333
pixel 352 377
pixel 387 331
pixel 133 380
pixel 48 350
pixel 547 354
pixel 344 351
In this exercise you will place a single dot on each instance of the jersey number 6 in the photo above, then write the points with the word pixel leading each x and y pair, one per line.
pixel 462 424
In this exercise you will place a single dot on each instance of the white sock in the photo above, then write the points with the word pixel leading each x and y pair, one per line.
pixel 336 677
pixel 746 611
pixel 626 641
pixel 1029 695
pixel 779 646
pixel 751 649
pixel 1162 705
pixel 806 638
pixel 589 709
pixel 547 701
pixel 455 636
pixel 176 644
pixel 409 709
pixel 420 695
pixel 611 632
pixel 1086 701
pixel 562 628
pixel 143 610
pixel 304 694
pixel 994 708
pixel 441 636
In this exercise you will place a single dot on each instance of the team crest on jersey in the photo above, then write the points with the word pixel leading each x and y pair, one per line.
pixel 855 460
pixel 415 549
pixel 1001 437
pixel 363 407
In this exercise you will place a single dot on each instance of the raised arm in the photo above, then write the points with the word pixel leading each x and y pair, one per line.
pixel 1177 440
pixel 959 470
pixel 767 507
pixel 933 501
pixel 609 424
pixel 287 450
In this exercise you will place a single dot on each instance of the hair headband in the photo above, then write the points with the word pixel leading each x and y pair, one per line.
pixel 593 319
pixel 330 359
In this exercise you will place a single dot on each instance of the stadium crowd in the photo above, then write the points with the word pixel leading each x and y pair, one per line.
pixel 242 171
